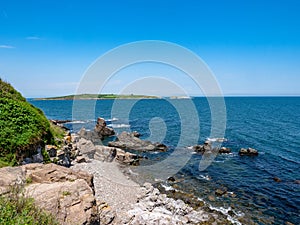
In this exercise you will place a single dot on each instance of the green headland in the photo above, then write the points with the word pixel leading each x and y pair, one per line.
pixel 98 96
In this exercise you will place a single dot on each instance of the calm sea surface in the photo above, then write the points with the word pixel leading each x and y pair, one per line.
pixel 269 124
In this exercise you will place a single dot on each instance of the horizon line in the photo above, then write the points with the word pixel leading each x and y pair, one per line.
pixel 196 96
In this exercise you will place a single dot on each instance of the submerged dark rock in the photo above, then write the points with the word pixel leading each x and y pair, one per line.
pixel 129 141
pixel 277 179
pixel 221 191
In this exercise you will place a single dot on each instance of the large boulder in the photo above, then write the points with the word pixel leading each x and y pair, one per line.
pixel 102 130
pixel 129 141
pixel 66 194
pixel 104 153
pixel 248 152
pixel 127 157
pixel 86 147
pixel 10 176
pixel 89 135
pixel 70 202
pixel 47 173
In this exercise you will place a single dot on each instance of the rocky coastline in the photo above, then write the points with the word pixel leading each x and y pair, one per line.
pixel 87 185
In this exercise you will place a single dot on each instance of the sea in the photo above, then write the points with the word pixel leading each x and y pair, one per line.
pixel 270 125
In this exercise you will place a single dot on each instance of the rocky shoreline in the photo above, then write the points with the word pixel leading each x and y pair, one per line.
pixel 98 192
pixel 87 186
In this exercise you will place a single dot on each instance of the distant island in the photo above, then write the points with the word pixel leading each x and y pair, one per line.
pixel 99 96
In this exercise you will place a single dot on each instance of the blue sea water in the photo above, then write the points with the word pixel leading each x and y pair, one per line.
pixel 269 124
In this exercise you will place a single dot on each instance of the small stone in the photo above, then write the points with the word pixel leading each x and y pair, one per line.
pixel 81 159
pixel 136 134
pixel 276 179
pixel 211 198
pixel 51 150
pixel 220 192
pixel 171 179
pixel 288 223
pixel 224 150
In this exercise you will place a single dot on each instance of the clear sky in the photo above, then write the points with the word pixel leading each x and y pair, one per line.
pixel 253 47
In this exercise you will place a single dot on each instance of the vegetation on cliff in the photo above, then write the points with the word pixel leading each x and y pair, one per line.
pixel 23 127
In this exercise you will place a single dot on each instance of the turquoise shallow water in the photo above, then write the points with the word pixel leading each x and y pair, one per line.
pixel 269 124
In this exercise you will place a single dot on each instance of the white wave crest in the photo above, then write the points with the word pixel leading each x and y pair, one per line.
pixel 167 188
pixel 122 125
pixel 77 122
pixel 112 119
pixel 217 139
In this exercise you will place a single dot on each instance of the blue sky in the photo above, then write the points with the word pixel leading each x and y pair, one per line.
pixel 253 47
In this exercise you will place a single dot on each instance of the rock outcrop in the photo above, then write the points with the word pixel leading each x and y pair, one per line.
pixel 129 141
pixel 105 153
pixel 207 147
pixel 100 131
pixel 248 152
pixel 66 194
pixel 10 176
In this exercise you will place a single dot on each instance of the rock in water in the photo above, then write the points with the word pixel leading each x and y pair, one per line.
pixel 129 141
pixel 221 191
pixel 136 134
pixel 224 150
pixel 203 148
pixel 102 130
pixel 99 133
pixel 276 179
pixel 248 151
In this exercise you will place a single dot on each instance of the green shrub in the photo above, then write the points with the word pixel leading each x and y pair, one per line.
pixel 57 131
pixel 7 91
pixel 23 127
